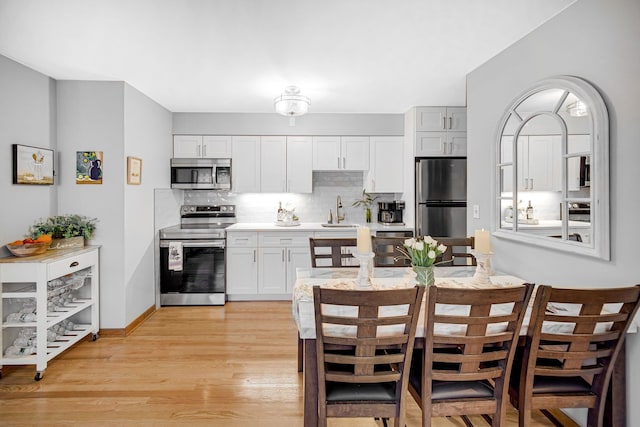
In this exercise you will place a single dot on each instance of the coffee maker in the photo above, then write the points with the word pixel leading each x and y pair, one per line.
pixel 390 212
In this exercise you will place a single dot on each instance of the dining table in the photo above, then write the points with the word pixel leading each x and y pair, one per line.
pixel 404 277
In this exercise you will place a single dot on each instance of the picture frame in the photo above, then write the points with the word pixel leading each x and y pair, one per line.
pixel 134 170
pixel 89 168
pixel 32 165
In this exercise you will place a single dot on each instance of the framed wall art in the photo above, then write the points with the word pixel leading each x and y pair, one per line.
pixel 134 170
pixel 32 165
pixel 88 167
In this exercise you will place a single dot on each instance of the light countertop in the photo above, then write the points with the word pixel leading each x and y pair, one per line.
pixel 312 226
pixel 549 223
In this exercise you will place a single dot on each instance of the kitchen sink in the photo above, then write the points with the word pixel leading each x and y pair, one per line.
pixel 339 225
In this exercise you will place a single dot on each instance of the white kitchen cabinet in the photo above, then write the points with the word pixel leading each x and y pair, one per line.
pixel 242 263
pixel 286 164
pixel 280 255
pixel 441 144
pixel 434 119
pixel 538 165
pixel 385 165
pixel 203 146
pixel 341 153
pixel 63 289
pixel 440 131
pixel 299 164
pixel 273 164
pixel 245 164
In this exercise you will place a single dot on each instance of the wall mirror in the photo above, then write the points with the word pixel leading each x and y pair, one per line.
pixel 552 168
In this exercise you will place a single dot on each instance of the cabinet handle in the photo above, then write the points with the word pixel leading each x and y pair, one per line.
pixel 254 255
pixel 450 122
pixel 450 147
pixel 443 147
pixel 74 264
pixel 283 255
pixel 531 183
pixel 204 151
pixel 289 255
pixel 198 151
pixel 444 122
pixel 344 163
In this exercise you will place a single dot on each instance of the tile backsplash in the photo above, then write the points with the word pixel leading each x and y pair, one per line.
pixel 262 207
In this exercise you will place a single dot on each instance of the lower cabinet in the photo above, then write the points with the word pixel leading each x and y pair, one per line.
pixel 262 265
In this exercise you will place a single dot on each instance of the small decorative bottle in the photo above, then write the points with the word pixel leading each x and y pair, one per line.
pixel 529 211
pixel 280 216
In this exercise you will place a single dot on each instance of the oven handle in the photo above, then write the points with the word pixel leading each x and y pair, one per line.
pixel 195 243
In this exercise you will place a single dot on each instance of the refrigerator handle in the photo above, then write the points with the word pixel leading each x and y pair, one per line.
pixel 418 180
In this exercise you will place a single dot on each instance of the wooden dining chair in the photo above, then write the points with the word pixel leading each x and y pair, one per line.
pixel 364 342
pixel 573 340
pixel 457 253
pixel 464 368
pixel 332 252
pixel 387 252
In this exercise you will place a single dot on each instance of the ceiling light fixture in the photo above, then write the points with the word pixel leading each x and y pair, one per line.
pixel 577 109
pixel 291 104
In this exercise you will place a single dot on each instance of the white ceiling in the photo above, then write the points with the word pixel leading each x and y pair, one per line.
pixel 364 56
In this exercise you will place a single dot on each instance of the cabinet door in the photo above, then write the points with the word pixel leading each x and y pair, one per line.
pixel 216 147
pixel 242 271
pixel 541 162
pixel 431 144
pixel 431 119
pixel 456 143
pixel 326 153
pixel 355 153
pixel 187 146
pixel 457 119
pixel 272 271
pixel 296 258
pixel 385 165
pixel 299 164
pixel 273 164
pixel 245 167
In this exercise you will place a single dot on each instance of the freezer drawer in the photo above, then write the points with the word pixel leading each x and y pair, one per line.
pixel 442 221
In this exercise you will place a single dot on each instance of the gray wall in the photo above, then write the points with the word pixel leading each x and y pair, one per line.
pixel 27 117
pixel 274 124
pixel 597 41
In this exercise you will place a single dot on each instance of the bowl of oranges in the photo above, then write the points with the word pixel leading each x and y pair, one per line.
pixel 30 247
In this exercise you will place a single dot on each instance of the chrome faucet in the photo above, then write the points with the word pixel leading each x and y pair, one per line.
pixel 338 208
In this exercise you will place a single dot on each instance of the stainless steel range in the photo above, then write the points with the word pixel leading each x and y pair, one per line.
pixel 192 256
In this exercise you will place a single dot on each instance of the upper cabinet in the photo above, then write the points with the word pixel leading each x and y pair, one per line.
pixel 440 131
pixel 285 164
pixel 205 146
pixel 437 119
pixel 341 153
pixel 386 159
pixel 271 164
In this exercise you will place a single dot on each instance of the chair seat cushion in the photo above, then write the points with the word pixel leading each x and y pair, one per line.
pixel 545 384
pixel 443 390
pixel 378 392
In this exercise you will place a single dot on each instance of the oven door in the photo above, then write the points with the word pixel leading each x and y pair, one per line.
pixel 199 279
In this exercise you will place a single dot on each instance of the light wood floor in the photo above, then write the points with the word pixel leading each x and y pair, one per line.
pixel 216 366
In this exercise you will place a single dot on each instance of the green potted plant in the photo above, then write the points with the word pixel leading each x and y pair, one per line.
pixel 66 230
pixel 365 201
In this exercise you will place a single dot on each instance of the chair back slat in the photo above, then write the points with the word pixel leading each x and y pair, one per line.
pixel 333 252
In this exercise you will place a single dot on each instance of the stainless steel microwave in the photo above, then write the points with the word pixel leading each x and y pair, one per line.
pixel 201 174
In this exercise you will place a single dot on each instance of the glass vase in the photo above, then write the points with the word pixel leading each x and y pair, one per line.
pixel 424 275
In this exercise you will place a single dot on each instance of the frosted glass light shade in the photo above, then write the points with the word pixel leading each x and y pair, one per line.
pixel 291 103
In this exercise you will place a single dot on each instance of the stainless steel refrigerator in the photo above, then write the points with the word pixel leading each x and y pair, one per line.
pixel 441 197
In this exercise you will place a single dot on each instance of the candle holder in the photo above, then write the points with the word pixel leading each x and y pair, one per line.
pixel 483 268
pixel 366 269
